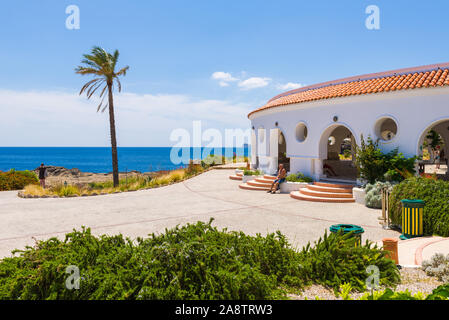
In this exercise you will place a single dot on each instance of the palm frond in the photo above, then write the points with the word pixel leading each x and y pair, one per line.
pixel 91 82
pixel 100 64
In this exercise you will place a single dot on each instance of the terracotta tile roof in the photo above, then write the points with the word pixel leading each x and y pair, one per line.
pixel 402 79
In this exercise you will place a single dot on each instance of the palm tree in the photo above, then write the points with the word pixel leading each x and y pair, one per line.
pixel 101 65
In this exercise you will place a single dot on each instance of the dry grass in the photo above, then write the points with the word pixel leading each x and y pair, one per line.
pixel 130 184
pixel 36 190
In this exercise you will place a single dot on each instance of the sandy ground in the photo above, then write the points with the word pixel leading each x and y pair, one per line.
pixel 211 194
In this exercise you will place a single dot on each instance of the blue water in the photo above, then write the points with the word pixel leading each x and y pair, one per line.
pixel 98 160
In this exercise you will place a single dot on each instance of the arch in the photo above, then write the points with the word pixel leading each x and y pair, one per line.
pixel 324 139
pixel 440 126
pixel 333 157
pixel 425 130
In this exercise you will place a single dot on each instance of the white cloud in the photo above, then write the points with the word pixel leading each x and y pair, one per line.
pixel 44 118
pixel 253 83
pixel 289 86
pixel 224 78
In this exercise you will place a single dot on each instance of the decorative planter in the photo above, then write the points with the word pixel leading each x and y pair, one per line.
pixel 359 195
pixel 288 187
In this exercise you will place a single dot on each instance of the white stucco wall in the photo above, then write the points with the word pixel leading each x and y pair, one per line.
pixel 415 112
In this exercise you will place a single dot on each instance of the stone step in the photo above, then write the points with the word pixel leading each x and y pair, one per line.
pixel 246 186
pixel 334 185
pixel 267 176
pixel 320 194
pixel 329 189
pixel 259 184
pixel 235 177
pixel 297 195
pixel 240 174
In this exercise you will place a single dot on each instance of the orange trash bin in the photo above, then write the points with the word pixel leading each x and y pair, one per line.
pixel 391 246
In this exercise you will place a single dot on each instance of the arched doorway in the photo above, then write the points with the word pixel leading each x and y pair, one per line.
pixel 337 152
pixel 282 151
pixel 433 149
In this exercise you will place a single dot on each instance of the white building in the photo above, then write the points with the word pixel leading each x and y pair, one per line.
pixel 310 127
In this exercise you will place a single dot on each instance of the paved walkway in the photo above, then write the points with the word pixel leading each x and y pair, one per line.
pixel 414 251
pixel 211 194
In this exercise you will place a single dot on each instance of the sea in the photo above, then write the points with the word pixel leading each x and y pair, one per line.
pixel 99 159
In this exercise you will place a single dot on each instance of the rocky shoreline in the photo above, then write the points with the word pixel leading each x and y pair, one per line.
pixel 60 175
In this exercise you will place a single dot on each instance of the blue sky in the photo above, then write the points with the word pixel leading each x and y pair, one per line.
pixel 254 49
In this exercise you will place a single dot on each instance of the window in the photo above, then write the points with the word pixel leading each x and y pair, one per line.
pixel 386 129
pixel 301 132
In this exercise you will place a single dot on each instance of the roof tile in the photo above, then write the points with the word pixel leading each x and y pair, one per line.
pixel 420 77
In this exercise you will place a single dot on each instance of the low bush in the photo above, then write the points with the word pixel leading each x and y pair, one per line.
pixel 196 261
pixel 437 266
pixel 298 177
pixel 373 198
pixel 252 172
pixel 335 260
pixel 440 293
pixel 17 180
pixel 436 195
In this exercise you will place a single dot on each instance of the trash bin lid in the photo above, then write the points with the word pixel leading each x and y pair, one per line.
pixel 413 203
pixel 346 228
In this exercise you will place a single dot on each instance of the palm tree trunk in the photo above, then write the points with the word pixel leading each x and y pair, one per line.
pixel 113 137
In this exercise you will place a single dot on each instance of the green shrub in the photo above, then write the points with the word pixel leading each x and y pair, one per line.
pixel 298 177
pixel 17 180
pixel 437 266
pixel 252 172
pixel 65 190
pixel 335 260
pixel 196 261
pixel 192 262
pixel 440 293
pixel 374 165
pixel 436 195
pixel 373 198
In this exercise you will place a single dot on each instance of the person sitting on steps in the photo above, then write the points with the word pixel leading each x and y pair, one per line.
pixel 282 173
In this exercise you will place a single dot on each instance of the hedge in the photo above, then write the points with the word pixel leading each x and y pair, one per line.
pixel 196 261
pixel 436 195
pixel 17 180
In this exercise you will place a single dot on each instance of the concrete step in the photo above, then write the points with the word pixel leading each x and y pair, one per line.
pixel 329 189
pixel 235 177
pixel 259 184
pixel 246 186
pixel 334 185
pixel 264 180
pixel 299 196
pixel 267 176
pixel 240 174
pixel 320 194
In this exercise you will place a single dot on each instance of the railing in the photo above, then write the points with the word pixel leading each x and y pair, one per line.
pixel 385 219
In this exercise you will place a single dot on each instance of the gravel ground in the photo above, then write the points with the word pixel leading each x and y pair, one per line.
pixel 413 279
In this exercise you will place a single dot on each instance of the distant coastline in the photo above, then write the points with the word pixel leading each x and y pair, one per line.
pixel 97 159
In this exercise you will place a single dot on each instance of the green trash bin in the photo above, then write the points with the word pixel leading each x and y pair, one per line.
pixel 412 218
pixel 348 228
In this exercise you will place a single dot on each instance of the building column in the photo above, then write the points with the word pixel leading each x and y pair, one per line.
pixel 317 169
